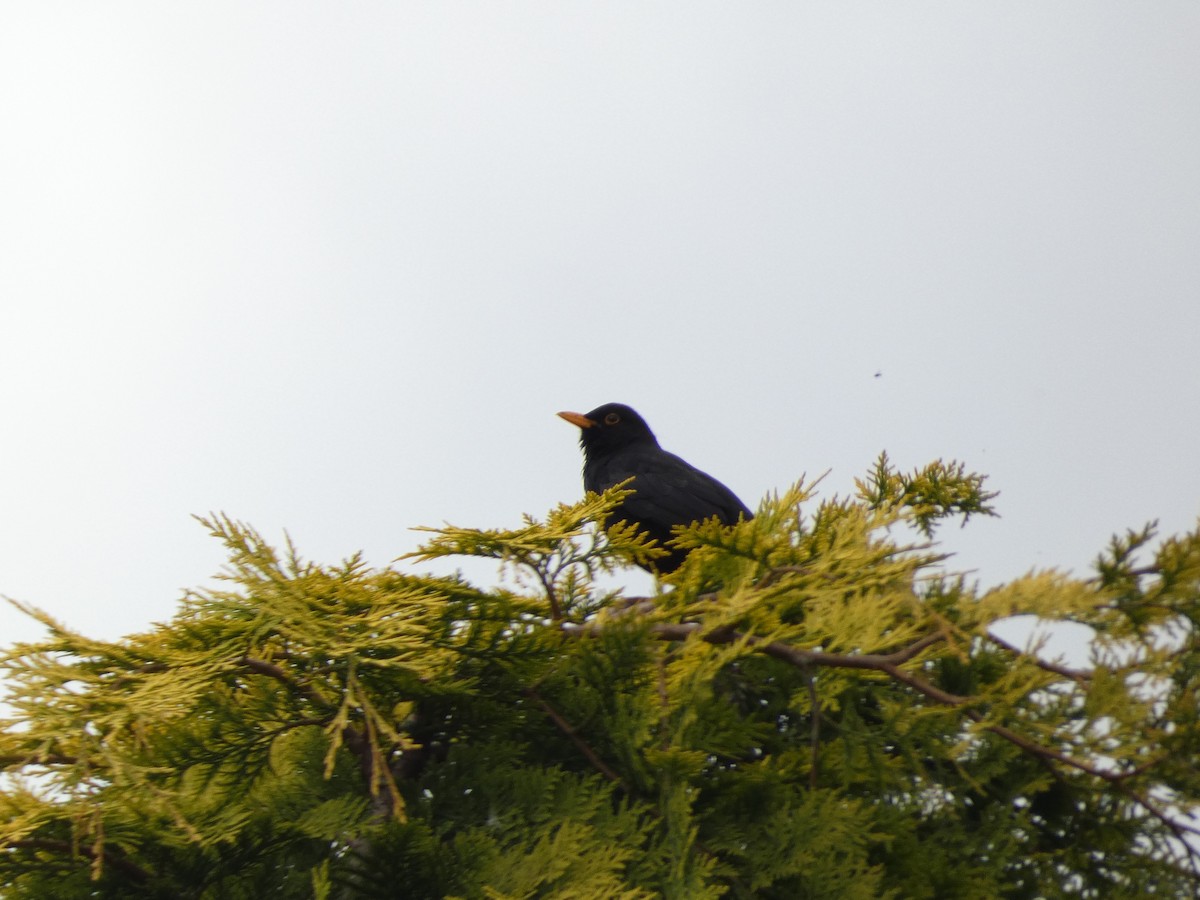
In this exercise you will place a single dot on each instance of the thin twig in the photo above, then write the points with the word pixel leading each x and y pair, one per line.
pixel 1177 828
pixel 573 736
pixel 117 863
pixel 1045 752
pixel 1077 675
pixel 551 596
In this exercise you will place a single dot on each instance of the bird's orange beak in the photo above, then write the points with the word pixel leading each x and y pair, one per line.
pixel 577 419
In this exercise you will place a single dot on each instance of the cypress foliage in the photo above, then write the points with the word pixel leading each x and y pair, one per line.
pixel 809 708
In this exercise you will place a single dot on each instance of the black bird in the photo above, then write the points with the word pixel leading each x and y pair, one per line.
pixel 618 444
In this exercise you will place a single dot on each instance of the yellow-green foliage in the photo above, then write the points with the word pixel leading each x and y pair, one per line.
pixel 809 707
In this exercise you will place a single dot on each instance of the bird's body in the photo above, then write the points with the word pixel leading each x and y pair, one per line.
pixel 618 445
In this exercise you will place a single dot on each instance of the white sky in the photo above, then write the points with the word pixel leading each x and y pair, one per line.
pixel 333 268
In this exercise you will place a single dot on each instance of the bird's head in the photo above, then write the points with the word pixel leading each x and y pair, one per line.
pixel 610 427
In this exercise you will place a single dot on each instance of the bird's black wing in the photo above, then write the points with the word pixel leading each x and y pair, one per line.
pixel 668 490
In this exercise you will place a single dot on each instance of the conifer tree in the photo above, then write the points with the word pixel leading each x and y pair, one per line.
pixel 811 707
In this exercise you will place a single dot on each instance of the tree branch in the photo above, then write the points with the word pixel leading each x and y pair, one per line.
pixel 1077 675
pixel 890 664
pixel 117 863
pixel 37 759
pixel 1180 830
pixel 262 667
pixel 573 736
pixel 551 595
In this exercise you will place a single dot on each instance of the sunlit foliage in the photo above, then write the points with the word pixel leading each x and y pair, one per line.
pixel 810 707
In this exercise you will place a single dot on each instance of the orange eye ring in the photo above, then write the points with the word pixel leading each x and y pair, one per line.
pixel 612 419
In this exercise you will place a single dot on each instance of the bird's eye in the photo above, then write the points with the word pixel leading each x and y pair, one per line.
pixel 612 419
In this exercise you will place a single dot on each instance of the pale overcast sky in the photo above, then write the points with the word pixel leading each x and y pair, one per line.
pixel 333 267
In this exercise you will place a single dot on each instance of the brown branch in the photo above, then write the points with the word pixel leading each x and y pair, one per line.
pixel 551 596
pixel 889 664
pixel 1144 767
pixel 37 759
pixel 117 863
pixel 262 667
pixel 1077 675
pixel 573 736
pixel 1180 830
pixel 1031 746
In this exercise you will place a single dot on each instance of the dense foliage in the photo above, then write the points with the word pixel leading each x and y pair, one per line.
pixel 811 707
